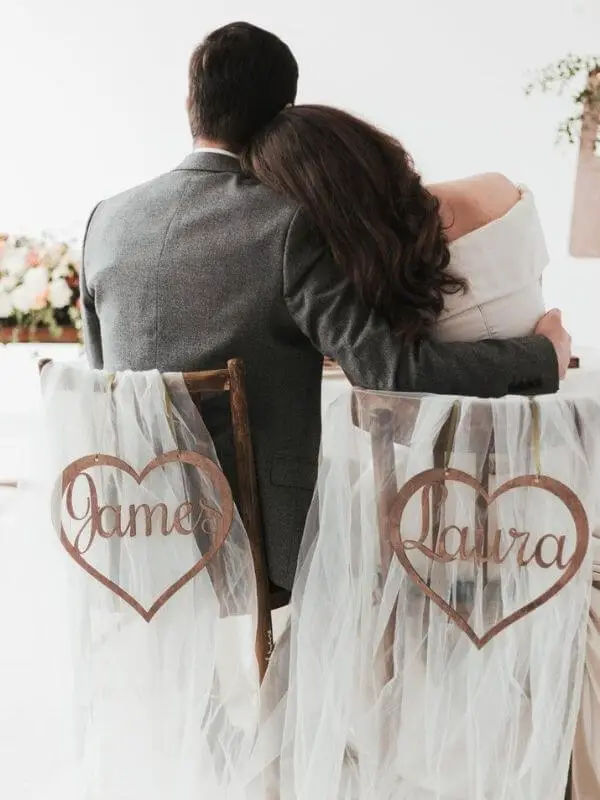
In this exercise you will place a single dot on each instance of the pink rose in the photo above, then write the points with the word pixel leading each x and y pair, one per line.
pixel 41 300
pixel 33 258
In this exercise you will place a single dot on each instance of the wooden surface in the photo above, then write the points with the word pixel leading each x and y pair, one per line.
pixel 250 508
pixel 41 335
pixel 381 428
pixel 211 381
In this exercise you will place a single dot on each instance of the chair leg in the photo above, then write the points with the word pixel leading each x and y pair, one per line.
pixel 386 487
pixel 250 509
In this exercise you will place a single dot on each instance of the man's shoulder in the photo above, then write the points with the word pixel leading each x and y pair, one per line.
pixel 243 193
pixel 139 191
pixel 263 201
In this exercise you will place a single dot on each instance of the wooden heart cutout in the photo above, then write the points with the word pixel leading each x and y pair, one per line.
pixel 442 476
pixel 201 463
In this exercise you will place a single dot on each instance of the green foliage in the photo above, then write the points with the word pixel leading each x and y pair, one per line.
pixel 571 73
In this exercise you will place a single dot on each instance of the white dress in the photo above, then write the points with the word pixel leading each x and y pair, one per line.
pixel 503 264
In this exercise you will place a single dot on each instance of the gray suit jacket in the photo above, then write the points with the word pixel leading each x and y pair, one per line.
pixel 203 264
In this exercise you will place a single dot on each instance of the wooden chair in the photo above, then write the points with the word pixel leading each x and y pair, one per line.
pixel 382 417
pixel 232 381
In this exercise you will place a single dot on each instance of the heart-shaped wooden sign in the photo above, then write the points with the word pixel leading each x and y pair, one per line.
pixel 443 477
pixel 221 519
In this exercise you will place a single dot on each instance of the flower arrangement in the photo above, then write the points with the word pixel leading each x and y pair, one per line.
pixel 580 75
pixel 39 286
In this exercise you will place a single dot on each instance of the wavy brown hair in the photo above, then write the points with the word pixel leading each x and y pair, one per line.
pixel 362 191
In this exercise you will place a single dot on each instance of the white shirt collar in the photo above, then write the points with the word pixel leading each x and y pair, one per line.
pixel 215 150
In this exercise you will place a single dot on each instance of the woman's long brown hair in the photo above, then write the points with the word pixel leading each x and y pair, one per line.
pixel 361 189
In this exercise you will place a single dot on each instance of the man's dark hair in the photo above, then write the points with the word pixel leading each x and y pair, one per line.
pixel 240 78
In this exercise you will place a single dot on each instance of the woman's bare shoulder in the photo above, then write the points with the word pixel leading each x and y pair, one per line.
pixel 470 203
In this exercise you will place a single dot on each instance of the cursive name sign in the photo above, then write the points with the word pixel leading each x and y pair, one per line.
pixel 107 521
pixel 456 543
pixel 101 522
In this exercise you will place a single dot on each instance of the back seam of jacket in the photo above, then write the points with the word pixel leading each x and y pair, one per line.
pixel 159 262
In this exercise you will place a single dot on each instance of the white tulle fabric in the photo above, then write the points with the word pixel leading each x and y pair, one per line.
pixel 586 754
pixel 372 693
pixel 95 702
pixel 388 700
pixel 586 751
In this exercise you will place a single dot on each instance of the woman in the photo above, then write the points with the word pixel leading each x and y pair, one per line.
pixel 460 260
pixel 408 716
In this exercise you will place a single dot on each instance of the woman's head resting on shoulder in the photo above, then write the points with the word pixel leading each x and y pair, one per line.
pixel 361 190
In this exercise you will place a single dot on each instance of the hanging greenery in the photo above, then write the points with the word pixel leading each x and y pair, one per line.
pixel 580 75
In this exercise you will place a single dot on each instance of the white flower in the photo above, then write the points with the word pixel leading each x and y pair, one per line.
pixel 32 294
pixel 8 283
pixel 22 300
pixel 6 306
pixel 54 251
pixel 62 269
pixel 36 280
pixel 14 261
pixel 60 293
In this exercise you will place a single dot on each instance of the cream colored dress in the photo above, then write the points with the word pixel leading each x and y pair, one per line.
pixel 503 264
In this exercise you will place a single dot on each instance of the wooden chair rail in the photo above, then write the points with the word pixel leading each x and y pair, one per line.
pixel 217 380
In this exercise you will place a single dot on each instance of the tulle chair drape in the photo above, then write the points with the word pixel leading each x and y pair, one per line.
pixel 386 697
pixel 373 691
pixel 95 701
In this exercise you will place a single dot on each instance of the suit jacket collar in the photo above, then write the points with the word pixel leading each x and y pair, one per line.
pixel 204 161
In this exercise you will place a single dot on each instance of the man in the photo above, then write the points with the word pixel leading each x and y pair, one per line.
pixel 203 264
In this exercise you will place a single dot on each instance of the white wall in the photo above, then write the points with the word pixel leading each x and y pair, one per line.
pixel 93 98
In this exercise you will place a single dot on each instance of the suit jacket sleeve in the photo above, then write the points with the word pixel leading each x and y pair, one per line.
pixel 327 308
pixel 91 324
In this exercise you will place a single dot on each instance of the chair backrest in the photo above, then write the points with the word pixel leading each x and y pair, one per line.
pixel 381 417
pixel 232 381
